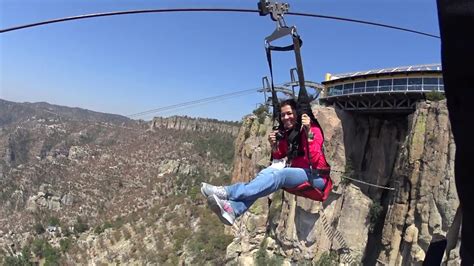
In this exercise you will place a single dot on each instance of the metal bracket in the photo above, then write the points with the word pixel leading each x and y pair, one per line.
pixel 276 10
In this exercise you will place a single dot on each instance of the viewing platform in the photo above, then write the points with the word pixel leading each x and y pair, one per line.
pixel 389 90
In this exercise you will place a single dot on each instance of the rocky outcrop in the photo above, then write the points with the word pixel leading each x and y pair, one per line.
pixel 426 201
pixel 43 200
pixel 195 124
pixel 251 149
pixel 409 158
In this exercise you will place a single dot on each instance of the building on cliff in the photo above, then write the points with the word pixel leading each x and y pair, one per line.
pixel 396 89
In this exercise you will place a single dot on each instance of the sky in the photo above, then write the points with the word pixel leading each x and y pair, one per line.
pixel 134 63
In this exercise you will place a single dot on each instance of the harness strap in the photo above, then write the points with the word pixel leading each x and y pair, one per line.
pixel 318 172
pixel 275 102
pixel 287 48
pixel 297 42
pixel 321 172
pixel 308 151
pixel 293 140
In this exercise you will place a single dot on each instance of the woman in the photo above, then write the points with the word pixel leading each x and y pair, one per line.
pixel 232 201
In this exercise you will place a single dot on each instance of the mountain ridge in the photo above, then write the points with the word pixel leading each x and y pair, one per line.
pixel 72 175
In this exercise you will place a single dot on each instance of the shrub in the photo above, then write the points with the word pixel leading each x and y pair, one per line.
pixel 98 230
pixel 39 229
pixel 435 96
pixel 65 244
pixel 262 257
pixel 26 253
pixel 275 206
pixel 21 260
pixel 80 226
pixel 66 232
pixel 116 235
pixel 51 256
pixel 226 178
pixel 53 221
pixel 208 244
pixel 126 233
pixel 348 173
pixel 101 228
pixel 179 237
pixel 374 214
pixel 43 249
pixel 37 247
pixel 261 112
pixel 246 134
pixel 194 193
pixel 327 259
pixel 16 261
pixel 219 146
pixel 118 222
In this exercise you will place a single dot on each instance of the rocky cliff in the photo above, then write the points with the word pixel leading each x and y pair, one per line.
pixel 409 162
pixel 195 124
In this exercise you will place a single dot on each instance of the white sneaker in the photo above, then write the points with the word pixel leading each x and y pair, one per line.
pixel 208 190
pixel 222 208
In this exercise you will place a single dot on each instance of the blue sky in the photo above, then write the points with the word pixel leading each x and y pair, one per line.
pixel 133 63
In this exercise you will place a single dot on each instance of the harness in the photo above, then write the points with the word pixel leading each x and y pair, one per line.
pixel 303 105
pixel 306 189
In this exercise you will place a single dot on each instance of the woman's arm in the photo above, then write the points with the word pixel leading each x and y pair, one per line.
pixel 316 140
pixel 314 135
pixel 279 147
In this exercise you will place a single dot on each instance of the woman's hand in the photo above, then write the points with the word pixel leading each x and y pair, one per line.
pixel 305 122
pixel 272 138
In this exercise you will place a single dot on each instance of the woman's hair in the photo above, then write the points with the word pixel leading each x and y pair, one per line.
pixel 291 102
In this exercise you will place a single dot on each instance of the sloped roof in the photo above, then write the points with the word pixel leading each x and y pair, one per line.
pixel 414 68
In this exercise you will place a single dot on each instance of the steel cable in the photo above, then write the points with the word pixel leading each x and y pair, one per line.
pixel 240 10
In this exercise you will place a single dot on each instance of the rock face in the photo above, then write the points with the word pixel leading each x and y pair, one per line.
pixel 195 124
pixel 426 200
pixel 409 158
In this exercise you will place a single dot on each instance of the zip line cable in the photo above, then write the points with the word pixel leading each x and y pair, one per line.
pixel 196 102
pixel 360 181
pixel 193 103
pixel 364 22
pixel 369 184
pixel 142 11
pixel 199 104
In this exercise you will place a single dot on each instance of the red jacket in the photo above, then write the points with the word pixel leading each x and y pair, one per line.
pixel 318 160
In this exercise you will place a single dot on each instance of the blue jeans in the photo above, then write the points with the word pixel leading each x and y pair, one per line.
pixel 242 195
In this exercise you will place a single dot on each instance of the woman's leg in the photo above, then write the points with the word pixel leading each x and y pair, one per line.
pixel 242 195
pixel 240 206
